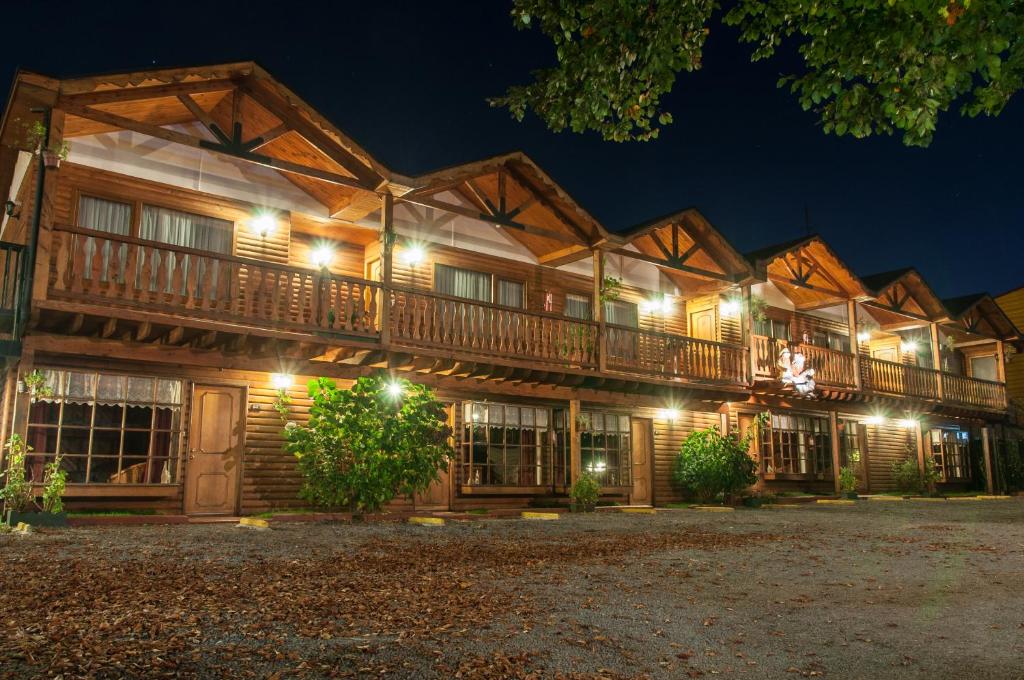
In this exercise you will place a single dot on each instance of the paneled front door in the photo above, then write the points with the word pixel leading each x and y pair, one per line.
pixel 642 462
pixel 214 451
pixel 702 324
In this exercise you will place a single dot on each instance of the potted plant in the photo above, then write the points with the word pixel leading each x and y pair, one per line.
pixel 847 482
pixel 584 494
pixel 53 154
pixel 54 483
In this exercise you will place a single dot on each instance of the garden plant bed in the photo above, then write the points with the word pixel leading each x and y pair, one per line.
pixel 877 590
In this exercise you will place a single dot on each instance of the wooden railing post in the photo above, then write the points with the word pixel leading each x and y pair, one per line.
pixel 387 234
pixel 575 460
pixel 833 424
pixel 748 335
pixel 851 319
pixel 597 310
pixel 936 359
pixel 986 448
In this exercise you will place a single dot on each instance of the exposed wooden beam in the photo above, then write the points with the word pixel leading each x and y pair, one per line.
pixel 525 185
pixel 267 137
pixel 204 118
pixel 147 92
pixel 677 267
pixel 564 256
pixel 473 214
pixel 214 147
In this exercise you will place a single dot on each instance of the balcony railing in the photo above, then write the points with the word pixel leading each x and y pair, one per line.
pixel 120 270
pixel 11 277
pixel 634 350
pixel 106 269
pixel 431 320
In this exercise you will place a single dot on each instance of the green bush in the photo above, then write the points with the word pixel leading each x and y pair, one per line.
pixel 585 491
pixel 17 490
pixel 54 482
pixel 710 463
pixel 909 477
pixel 365 445
pixel 847 480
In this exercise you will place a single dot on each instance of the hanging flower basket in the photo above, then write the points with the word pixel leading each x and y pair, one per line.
pixel 51 159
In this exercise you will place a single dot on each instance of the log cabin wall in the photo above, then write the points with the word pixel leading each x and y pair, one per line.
pixel 887 444
pixel 1012 304
pixel 668 438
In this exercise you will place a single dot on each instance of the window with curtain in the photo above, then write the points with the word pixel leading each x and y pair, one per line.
pixel 186 230
pixel 771 328
pixel 621 313
pixel 108 428
pixel 577 306
pixel 605 447
pixel 951 453
pixel 505 445
pixel 797 445
pixel 101 214
pixel 511 293
pixel 984 368
pixel 463 283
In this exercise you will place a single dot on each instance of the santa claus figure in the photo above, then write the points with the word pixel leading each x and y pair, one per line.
pixel 794 373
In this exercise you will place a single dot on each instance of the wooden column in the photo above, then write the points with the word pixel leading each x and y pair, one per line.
pixel 748 337
pixel 574 441
pixel 936 357
pixel 865 455
pixel 986 449
pixel 833 424
pixel 1000 362
pixel 44 244
pixel 387 231
pixel 597 311
pixel 851 320
pixel 22 399
pixel 916 431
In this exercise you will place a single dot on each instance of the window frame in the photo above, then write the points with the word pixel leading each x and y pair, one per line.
pixel 958 450
pixel 783 449
pixel 624 448
pixel 584 296
pixel 496 280
pixel 175 431
pixel 543 445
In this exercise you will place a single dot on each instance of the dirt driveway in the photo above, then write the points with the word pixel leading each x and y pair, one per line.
pixel 901 590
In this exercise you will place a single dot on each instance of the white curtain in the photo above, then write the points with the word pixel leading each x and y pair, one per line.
pixel 462 283
pixel 100 214
pixel 621 313
pixel 511 294
pixel 577 306
pixel 186 230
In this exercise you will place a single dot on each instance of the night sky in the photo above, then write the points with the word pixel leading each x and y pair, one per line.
pixel 408 81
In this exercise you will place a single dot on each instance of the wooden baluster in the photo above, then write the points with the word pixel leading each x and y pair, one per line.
pixel 145 277
pixel 192 280
pixel 130 272
pixel 96 266
pixel 62 255
pixel 162 276
pixel 113 273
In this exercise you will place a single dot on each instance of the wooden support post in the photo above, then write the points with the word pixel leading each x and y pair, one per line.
pixel 43 246
pixel 387 230
pixel 597 311
pixel 1000 362
pixel 748 337
pixel 574 441
pixel 919 435
pixel 986 448
pixel 936 358
pixel 22 400
pixel 865 455
pixel 833 424
pixel 851 320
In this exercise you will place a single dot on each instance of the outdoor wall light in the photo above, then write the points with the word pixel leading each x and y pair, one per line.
pixel 669 414
pixel 263 224
pixel 412 255
pixel 281 381
pixel 906 422
pixel 874 420
pixel 321 256
pixel 729 307
pixel 662 305
pixel 863 336
pixel 395 389
pixel 908 346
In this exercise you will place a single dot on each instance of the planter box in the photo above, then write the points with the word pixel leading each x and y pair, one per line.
pixel 40 519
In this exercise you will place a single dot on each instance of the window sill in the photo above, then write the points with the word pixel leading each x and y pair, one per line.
pixel 798 476
pixel 485 490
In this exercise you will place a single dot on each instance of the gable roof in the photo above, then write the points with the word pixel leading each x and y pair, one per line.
pixel 905 292
pixel 980 313
pixel 808 272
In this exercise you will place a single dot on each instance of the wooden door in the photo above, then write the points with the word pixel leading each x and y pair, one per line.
pixel 642 467
pixel 438 495
pixel 214 451
pixel 885 354
pixel 702 324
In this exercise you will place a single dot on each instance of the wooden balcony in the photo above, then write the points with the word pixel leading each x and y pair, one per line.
pixel 635 350
pixel 835 369
pixel 11 277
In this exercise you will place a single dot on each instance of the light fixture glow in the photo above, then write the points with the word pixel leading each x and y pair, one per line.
pixel 874 420
pixel 669 414
pixel 662 305
pixel 413 254
pixel 263 224
pixel 863 336
pixel 906 422
pixel 395 389
pixel 281 381
pixel 321 256
pixel 908 346
pixel 729 307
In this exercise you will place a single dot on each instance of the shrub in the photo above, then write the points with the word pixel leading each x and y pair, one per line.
pixel 909 477
pixel 54 483
pixel 365 445
pixel 17 491
pixel 847 480
pixel 710 463
pixel 585 491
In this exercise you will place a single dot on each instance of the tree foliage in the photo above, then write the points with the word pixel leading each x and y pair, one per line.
pixel 710 463
pixel 870 66
pixel 365 445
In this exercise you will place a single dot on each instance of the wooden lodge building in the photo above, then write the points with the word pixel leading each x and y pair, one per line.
pixel 210 238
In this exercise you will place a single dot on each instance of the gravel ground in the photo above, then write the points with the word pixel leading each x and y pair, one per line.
pixel 894 590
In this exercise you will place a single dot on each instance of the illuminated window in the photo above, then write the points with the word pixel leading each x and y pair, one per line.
pixel 505 445
pixel 577 306
pixel 951 453
pixel 109 429
pixel 605 447
pixel 797 445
